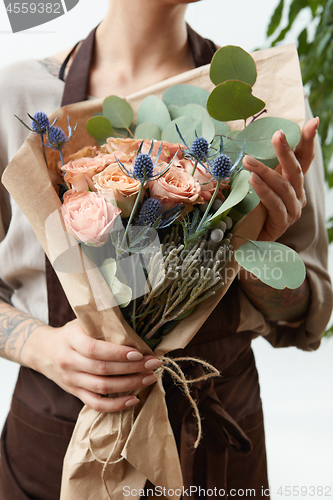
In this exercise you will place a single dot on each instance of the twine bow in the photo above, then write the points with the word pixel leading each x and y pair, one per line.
pixel 180 379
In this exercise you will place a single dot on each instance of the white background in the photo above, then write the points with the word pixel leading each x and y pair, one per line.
pixel 296 386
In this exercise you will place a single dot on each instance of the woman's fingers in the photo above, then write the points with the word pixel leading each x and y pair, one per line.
pixel 102 404
pixel 80 363
pixel 291 170
pixel 276 192
pixel 112 385
pixel 304 150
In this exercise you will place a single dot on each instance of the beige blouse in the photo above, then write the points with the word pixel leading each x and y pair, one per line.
pixel 28 87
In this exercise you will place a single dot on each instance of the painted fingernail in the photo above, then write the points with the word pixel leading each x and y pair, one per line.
pixel 134 356
pixel 152 364
pixel 149 380
pixel 256 178
pixel 283 137
pixel 251 161
pixel 132 402
pixel 318 121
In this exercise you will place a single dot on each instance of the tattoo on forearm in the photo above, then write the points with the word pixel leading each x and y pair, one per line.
pixel 52 65
pixel 278 305
pixel 15 329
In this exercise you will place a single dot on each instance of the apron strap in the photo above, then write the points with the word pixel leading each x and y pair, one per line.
pixel 77 80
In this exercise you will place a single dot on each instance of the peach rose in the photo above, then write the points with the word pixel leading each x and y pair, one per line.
pixel 113 184
pixel 79 173
pixel 168 150
pixel 88 217
pixel 176 186
pixel 207 182
pixel 126 146
pixel 86 152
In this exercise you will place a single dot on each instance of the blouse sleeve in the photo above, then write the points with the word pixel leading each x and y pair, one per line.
pixel 308 237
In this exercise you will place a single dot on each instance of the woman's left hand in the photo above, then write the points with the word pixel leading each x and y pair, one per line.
pixel 281 190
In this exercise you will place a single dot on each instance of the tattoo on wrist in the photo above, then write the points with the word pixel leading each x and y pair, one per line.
pixel 15 329
pixel 278 305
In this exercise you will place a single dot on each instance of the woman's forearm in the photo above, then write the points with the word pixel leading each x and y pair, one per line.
pixel 276 305
pixel 15 329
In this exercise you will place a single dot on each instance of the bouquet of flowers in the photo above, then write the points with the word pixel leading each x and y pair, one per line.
pixel 140 219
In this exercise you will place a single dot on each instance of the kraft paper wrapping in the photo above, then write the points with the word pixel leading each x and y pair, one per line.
pixel 148 447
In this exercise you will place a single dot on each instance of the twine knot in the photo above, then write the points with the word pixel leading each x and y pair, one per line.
pixel 171 366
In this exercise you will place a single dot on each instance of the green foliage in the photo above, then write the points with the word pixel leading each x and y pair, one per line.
pixel 180 95
pixel 99 127
pixel 148 130
pixel 118 111
pixel 233 63
pixel 274 264
pixel 233 100
pixel 316 58
pixel 239 189
pixel 258 136
pixel 153 109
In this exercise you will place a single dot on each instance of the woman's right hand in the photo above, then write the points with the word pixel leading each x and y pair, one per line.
pixel 88 368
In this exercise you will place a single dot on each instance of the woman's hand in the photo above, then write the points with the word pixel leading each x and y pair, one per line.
pixel 281 190
pixel 88 368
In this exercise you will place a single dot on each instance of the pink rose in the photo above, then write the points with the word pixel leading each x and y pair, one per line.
pixel 88 217
pixel 168 150
pixel 113 184
pixel 176 186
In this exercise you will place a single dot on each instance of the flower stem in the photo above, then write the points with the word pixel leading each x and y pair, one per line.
pixel 194 168
pixel 61 157
pixel 44 152
pixel 134 295
pixel 203 220
pixel 133 211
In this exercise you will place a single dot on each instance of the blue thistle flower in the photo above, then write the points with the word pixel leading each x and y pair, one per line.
pixel 56 137
pixel 40 122
pixel 143 167
pixel 150 211
pixel 200 148
pixel 221 167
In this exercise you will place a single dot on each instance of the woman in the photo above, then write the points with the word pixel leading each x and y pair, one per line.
pixel 139 43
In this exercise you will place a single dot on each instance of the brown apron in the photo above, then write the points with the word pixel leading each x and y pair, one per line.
pixel 231 455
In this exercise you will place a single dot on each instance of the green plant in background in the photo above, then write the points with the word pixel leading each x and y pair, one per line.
pixel 316 58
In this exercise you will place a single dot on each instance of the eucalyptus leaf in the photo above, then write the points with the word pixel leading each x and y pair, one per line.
pixel 180 95
pixel 233 100
pixel 208 127
pixel 250 201
pixel 276 265
pixel 99 127
pixel 148 130
pixel 186 126
pixel 221 128
pixel 194 111
pixel 239 189
pixel 153 109
pixel 233 63
pixel 120 132
pixel 118 111
pixel 258 136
